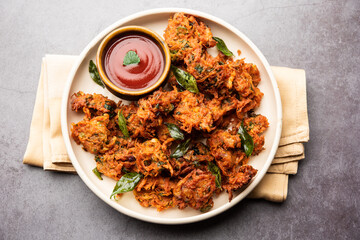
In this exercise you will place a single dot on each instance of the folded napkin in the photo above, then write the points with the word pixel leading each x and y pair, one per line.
pixel 46 146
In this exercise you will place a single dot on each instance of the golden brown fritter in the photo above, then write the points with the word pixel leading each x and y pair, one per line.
pixel 196 190
pixel 151 159
pixel 225 146
pixel 191 113
pixel 91 104
pixel 184 34
pixel 239 179
pixel 157 192
pixel 93 134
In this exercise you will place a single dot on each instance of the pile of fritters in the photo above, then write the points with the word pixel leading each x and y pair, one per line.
pixel 228 95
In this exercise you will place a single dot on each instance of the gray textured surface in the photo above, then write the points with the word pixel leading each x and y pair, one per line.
pixel 322 37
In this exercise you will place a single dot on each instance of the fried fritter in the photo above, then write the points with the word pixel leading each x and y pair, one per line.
pixel 92 104
pixel 93 134
pixel 196 190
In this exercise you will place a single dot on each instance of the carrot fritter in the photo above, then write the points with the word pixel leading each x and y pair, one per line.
pixel 239 179
pixel 224 147
pixel 228 95
pixel 191 113
pixel 157 192
pixel 185 33
pixel 92 134
pixel 91 104
pixel 196 190
pixel 151 159
pixel 145 115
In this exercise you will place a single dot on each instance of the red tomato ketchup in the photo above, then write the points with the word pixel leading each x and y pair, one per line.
pixel 134 76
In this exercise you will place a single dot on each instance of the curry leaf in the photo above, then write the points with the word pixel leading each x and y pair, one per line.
pixel 175 131
pixel 185 79
pixel 108 107
pixel 97 173
pixel 126 183
pixel 181 149
pixel 122 124
pixel 247 142
pixel 216 172
pixel 221 46
pixel 94 74
pixel 131 58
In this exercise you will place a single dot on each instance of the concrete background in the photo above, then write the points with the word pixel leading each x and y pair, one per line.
pixel 322 37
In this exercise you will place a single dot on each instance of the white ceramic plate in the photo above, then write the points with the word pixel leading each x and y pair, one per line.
pixel 83 162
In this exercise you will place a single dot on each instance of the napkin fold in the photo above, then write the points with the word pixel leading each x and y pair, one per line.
pixel 46 147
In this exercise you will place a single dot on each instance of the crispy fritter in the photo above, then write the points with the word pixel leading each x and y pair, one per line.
pixel 93 134
pixel 185 33
pixel 239 179
pixel 91 104
pixel 191 113
pixel 157 192
pixel 225 146
pixel 196 190
pixel 151 159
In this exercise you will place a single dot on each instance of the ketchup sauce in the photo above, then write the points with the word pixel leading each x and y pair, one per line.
pixel 134 76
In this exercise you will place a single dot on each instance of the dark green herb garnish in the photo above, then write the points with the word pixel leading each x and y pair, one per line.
pixel 170 108
pixel 131 58
pixel 94 74
pixel 175 131
pixel 97 173
pixel 185 79
pixel 97 159
pixel 126 183
pixel 181 29
pixel 216 172
pixel 122 124
pixel 199 69
pixel 221 46
pixel 247 142
pixel 108 107
pixel 181 149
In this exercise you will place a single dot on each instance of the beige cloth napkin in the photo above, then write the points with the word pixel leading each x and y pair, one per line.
pixel 46 147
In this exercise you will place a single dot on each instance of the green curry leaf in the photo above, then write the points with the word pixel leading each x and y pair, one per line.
pixel 216 172
pixel 94 74
pixel 185 79
pixel 247 142
pixel 126 183
pixel 97 173
pixel 131 58
pixel 181 149
pixel 122 124
pixel 221 46
pixel 175 131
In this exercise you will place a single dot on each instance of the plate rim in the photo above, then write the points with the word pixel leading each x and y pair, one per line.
pixel 131 213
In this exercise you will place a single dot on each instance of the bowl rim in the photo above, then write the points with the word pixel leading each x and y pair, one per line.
pixel 131 213
pixel 123 30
